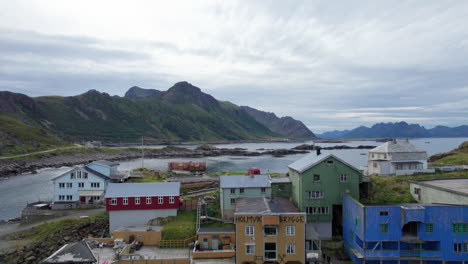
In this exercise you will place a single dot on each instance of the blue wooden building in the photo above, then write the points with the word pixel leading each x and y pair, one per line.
pixel 405 233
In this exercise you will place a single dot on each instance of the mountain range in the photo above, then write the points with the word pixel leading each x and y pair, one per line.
pixel 182 113
pixel 398 129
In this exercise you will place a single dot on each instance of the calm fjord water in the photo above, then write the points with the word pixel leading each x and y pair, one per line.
pixel 17 191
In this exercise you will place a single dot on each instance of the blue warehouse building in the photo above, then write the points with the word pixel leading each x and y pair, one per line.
pixel 405 233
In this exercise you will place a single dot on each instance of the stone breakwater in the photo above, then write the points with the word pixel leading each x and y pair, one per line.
pixel 9 167
pixel 36 251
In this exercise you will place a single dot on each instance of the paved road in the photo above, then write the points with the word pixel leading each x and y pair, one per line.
pixel 32 153
pixel 9 229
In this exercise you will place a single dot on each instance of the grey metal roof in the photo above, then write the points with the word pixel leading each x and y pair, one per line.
pixel 263 205
pixel 280 179
pixel 106 162
pixel 95 173
pixel 458 186
pixel 143 189
pixel 216 230
pixel 396 147
pixel 313 159
pixel 83 168
pixel 78 252
pixel 244 181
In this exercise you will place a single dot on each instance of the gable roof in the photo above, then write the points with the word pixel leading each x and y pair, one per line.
pixel 142 189
pixel 313 159
pixel 78 252
pixel 106 163
pixel 95 173
pixel 244 181
pixel 396 147
pixel 263 205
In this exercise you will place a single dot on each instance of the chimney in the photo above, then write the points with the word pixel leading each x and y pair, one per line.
pixel 394 141
pixel 318 151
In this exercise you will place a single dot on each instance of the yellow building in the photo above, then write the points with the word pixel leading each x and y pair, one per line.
pixel 269 231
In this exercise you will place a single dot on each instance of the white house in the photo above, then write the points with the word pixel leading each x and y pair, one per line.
pixel 397 158
pixel 84 185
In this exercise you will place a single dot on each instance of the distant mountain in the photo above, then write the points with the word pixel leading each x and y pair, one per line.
pixel 136 92
pixel 286 126
pixel 182 113
pixel 398 129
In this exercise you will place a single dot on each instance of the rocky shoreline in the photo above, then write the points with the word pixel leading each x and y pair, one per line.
pixel 10 167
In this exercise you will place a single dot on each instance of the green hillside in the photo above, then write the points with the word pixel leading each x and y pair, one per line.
pixel 18 138
pixel 458 156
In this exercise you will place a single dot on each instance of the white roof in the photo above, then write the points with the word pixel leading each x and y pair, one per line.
pixel 313 159
pixel 244 181
pixel 143 189
pixel 396 147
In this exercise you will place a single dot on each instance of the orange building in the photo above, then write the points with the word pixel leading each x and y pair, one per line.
pixel 269 231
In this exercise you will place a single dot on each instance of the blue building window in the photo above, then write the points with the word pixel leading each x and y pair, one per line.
pixel 383 228
pixel 384 213
pixel 460 228
pixel 460 247
pixel 429 227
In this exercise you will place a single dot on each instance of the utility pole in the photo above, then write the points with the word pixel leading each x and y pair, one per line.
pixel 142 154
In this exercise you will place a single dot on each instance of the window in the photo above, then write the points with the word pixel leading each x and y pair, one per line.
pixel 61 197
pixel 270 230
pixel 69 185
pixel 330 162
pixel 95 184
pixel 385 156
pixel 384 213
pixel 372 155
pixel 343 177
pixel 160 200
pixel 72 175
pixel 241 190
pixel 460 247
pixel 315 195
pixel 317 210
pixel 137 200
pixel 148 200
pixel 85 175
pixel 171 199
pixel 263 190
pixel 383 228
pixel 290 230
pixel 270 251
pixel 417 190
pixel 429 227
pixel 69 197
pixel 81 185
pixel 460 228
pixel 125 200
pixel 249 249
pixel 113 201
pixel 61 185
pixel 233 201
pixel 249 230
pixel 233 190
pixel 374 164
pixel 316 177
pixel 78 174
pixel 291 249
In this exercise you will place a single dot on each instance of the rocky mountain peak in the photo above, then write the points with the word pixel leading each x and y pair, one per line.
pixel 136 92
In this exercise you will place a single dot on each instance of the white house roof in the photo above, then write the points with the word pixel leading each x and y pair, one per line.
pixel 396 147
pixel 142 189
pixel 244 181
pixel 313 159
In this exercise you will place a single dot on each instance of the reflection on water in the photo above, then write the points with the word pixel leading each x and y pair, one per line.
pixel 16 191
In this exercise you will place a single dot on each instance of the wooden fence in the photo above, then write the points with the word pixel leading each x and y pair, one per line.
pixel 176 243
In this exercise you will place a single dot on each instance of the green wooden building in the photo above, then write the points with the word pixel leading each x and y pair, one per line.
pixel 318 185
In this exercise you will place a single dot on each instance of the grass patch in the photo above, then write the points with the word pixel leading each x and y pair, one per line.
pixel 397 190
pixel 458 156
pixel 218 224
pixel 179 227
pixel 149 176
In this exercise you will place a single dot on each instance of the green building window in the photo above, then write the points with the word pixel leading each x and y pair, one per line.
pixel 460 228
pixel 429 227
pixel 316 177
pixel 356 222
pixel 383 228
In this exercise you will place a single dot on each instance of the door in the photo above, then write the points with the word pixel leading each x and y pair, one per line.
pixel 205 243
pixel 82 199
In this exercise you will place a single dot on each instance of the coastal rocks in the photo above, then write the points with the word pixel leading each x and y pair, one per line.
pixel 37 251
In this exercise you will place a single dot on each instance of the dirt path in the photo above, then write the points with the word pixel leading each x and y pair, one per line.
pixel 38 152
pixel 9 229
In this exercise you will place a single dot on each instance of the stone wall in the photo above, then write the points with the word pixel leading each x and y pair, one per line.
pixel 39 250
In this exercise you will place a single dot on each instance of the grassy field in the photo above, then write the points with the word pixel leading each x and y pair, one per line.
pixel 179 227
pixel 396 189
pixel 458 156
pixel 149 176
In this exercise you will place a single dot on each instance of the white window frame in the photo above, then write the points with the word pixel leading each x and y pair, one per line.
pixel 137 200
pixel 344 177
pixel 249 230
pixel 72 175
pixel 171 199
pixel 61 185
pixel 330 162
pixel 125 200
pixel 69 197
pixel 263 190
pixel 69 185
pixel 61 197
pixel 290 230
pixel 233 190
pixel 315 195
pixel 78 174
pixel 148 200
pixel 113 201
pixel 81 185
pixel 291 249
pixel 233 201
pixel 241 190
pixel 160 199
pixel 251 247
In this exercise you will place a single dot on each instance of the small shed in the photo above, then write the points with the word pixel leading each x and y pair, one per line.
pixel 193 166
pixel 78 252
pixel 254 171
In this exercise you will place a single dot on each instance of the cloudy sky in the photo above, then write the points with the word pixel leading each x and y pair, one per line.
pixel 330 64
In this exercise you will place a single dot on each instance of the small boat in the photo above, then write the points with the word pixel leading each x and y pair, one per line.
pixel 362 154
